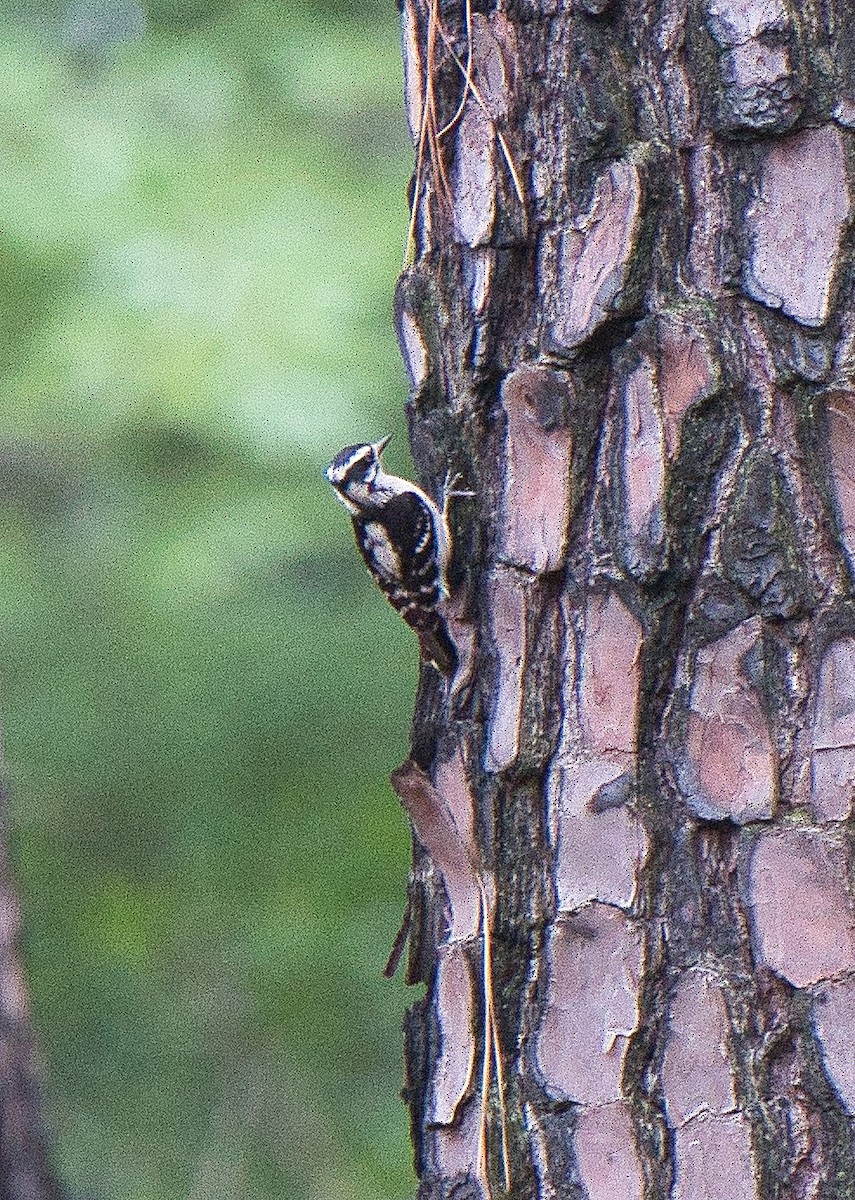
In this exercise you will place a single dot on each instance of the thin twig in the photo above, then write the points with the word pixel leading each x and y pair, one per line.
pixel 492 1045
pixel 428 136
pixel 410 252
pixel 476 92
pixel 467 81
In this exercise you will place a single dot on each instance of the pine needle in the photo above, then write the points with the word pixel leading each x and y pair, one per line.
pixel 482 103
pixel 492 1048
pixel 467 73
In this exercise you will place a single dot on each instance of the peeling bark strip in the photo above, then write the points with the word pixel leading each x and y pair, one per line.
pixel 629 321
pixel 731 769
pixel 796 224
pixel 833 763
pixel 594 965
pixel 800 906
pixel 594 253
pixel 538 451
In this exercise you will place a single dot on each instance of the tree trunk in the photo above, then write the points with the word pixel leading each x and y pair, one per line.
pixel 628 323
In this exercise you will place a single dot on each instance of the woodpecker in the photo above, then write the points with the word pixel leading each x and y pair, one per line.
pixel 403 536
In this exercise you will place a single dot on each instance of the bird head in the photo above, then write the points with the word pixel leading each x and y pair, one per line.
pixel 354 471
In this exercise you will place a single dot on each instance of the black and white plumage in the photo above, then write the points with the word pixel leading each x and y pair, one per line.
pixel 403 537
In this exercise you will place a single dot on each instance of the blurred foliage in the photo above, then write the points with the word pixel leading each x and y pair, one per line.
pixel 202 214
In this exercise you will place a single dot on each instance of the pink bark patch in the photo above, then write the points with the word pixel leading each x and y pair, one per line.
pixel 713 1159
pixel 536 503
pixel 456 1150
pixel 594 256
pixel 686 375
pixel 413 349
pixel 643 461
pixel 833 761
pixel 452 1078
pixel 730 753
pixel 508 629
pixel 735 21
pixel 834 1021
pixel 599 852
pixel 696 1071
pixel 475 144
pixel 493 53
pixel 475 177
pixel 605 1151
pixel 442 818
pixel 797 222
pixel 594 960
pixel 453 787
pixel 841 428
pixel 609 675
pixel 801 912
pixel 462 632
pixel 756 65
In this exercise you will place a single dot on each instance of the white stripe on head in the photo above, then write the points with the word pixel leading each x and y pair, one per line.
pixel 344 462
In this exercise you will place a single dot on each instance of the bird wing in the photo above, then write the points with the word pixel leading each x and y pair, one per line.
pixel 411 525
pixel 400 549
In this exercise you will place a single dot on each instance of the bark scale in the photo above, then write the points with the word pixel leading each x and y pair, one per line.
pixel 628 323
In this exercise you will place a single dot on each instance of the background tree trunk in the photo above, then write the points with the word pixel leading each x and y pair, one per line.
pixel 628 323
pixel 25 1169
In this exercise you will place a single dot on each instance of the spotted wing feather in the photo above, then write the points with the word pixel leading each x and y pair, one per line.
pixel 400 549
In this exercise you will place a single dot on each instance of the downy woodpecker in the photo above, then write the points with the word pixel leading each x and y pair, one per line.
pixel 403 537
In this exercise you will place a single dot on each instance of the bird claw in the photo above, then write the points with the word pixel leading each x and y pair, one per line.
pixel 450 492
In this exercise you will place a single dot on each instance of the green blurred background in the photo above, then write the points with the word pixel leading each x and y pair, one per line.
pixel 202 210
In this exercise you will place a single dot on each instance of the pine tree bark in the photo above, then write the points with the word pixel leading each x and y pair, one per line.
pixel 628 323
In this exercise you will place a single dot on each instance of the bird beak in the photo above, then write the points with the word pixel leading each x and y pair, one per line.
pixel 380 446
